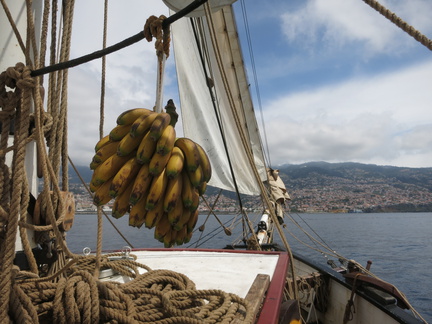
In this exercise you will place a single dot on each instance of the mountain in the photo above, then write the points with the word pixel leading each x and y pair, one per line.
pixel 332 187
pixel 350 186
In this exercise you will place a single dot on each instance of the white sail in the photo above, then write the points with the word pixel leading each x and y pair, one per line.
pixel 200 121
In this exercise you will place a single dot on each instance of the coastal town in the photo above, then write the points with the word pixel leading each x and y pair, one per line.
pixel 332 198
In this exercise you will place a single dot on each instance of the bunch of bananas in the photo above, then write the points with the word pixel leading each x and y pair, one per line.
pixel 152 175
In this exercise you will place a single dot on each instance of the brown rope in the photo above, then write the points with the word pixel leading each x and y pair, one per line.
pixel 157 296
pixel 418 36
pixel 154 28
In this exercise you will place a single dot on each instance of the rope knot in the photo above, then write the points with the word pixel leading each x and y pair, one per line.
pixel 153 28
pixel 22 76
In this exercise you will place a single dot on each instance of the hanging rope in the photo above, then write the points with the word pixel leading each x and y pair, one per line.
pixel 400 23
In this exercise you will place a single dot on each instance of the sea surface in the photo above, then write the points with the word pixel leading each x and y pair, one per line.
pixel 398 244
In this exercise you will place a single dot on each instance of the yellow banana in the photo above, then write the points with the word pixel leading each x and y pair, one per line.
pixel 175 163
pixel 187 190
pixel 184 218
pixel 192 221
pixel 169 238
pixel 175 213
pixel 195 200
pixel 165 143
pixel 108 169
pixel 124 177
pixel 173 193
pixel 202 188
pixel 103 153
pixel 102 142
pixel 118 132
pixel 141 184
pixel 187 237
pixel 157 189
pixel 196 177
pixel 161 121
pixel 142 124
pixel 190 151
pixel 205 163
pixel 128 144
pixel 138 213
pixel 162 227
pixel 154 216
pixel 121 203
pixel 146 149
pixel 101 196
pixel 158 163
pixel 92 187
pixel 129 116
pixel 181 235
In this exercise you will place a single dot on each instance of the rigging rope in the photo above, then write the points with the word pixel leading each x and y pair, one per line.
pixel 400 23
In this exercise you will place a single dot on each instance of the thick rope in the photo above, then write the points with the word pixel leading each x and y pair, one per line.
pixel 418 36
pixel 157 296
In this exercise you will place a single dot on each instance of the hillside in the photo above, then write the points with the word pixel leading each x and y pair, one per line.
pixel 332 187
pixel 355 186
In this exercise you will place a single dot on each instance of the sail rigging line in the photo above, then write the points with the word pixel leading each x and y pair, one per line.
pixel 417 35
pixel 99 234
pixel 244 141
pixel 255 76
pixel 215 106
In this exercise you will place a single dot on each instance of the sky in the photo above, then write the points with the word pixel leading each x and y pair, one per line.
pixel 337 81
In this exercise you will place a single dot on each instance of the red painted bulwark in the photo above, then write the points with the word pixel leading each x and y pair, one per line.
pixel 272 303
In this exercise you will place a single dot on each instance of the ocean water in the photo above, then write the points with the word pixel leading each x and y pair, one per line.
pixel 398 244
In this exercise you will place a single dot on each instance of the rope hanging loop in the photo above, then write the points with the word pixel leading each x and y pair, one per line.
pixel 154 28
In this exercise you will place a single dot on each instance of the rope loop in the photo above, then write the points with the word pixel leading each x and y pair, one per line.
pixel 153 28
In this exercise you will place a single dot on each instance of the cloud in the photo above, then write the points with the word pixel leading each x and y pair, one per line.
pixel 130 72
pixel 373 119
pixel 333 24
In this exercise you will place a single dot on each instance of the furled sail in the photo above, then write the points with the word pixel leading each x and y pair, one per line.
pixel 216 104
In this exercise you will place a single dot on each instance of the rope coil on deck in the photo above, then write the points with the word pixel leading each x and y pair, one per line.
pixel 157 296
